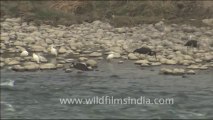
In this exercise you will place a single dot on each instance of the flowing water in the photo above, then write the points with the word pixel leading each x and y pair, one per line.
pixel 36 94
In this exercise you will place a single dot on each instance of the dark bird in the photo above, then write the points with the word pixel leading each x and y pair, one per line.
pixel 145 50
pixel 191 43
pixel 81 66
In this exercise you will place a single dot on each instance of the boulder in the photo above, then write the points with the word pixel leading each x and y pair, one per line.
pixel 13 62
pixel 91 63
pixel 48 66
pixel 18 68
pixel 132 56
pixel 31 66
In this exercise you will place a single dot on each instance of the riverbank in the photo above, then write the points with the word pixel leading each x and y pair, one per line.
pixel 91 42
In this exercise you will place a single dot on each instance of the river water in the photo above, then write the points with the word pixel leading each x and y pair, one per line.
pixel 36 94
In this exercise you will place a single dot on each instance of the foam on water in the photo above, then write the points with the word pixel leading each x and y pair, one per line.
pixel 6 106
pixel 8 83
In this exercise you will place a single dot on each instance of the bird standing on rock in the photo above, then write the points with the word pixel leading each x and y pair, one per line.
pixel 53 51
pixel 145 50
pixel 110 56
pixel 36 57
pixel 191 43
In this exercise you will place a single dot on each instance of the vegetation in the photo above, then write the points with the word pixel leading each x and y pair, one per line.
pixel 116 12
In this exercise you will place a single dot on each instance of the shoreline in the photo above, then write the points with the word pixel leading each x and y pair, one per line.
pixel 90 42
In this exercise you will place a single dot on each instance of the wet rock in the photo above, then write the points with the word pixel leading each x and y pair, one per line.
pixel 18 68
pixel 177 71
pixel 91 63
pixel 48 66
pixel 165 71
pixel 145 65
pixel 59 65
pixel 95 54
pixel 132 56
pixel 193 67
pixel 68 70
pixel 120 62
pixel 191 72
pixel 31 66
pixel 204 67
pixel 142 62
pixel 155 63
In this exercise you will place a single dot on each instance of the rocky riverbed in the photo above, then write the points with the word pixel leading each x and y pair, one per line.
pixel 90 42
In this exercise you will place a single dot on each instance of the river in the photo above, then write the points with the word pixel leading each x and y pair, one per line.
pixel 36 94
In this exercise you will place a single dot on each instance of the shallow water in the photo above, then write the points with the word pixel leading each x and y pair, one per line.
pixel 36 94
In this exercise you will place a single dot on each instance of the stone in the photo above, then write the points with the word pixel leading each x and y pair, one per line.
pixel 132 56
pixel 155 63
pixel 1 64
pixel 193 67
pixel 18 68
pixel 178 71
pixel 59 65
pixel 145 65
pixel 120 62
pixel 91 63
pixel 62 50
pixel 69 60
pixel 48 66
pixel 38 48
pixel 171 62
pixel 13 62
pixel 165 71
pixel 191 72
pixel 95 54
pixel 68 70
pixel 208 21
pixel 31 66
pixel 141 62
pixel 82 59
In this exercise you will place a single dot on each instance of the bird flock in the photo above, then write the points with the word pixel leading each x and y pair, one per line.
pixel 38 58
pixel 143 50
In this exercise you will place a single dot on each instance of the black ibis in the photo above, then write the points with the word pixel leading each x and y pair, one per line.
pixel 145 50
pixel 191 43
pixel 81 66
